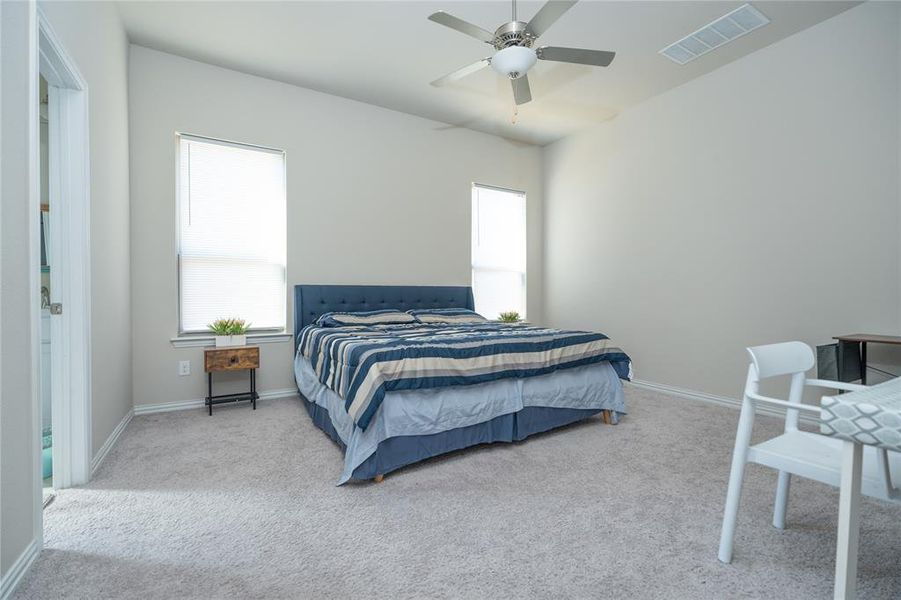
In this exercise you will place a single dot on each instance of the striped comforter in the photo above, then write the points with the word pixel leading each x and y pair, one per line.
pixel 362 363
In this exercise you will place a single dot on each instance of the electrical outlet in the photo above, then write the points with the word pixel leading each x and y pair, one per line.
pixel 184 367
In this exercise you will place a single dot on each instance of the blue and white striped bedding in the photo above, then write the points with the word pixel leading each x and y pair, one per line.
pixel 419 413
pixel 362 363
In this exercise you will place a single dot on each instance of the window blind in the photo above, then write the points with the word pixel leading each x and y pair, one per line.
pixel 232 242
pixel 498 250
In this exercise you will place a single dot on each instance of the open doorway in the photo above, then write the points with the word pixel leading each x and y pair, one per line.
pixel 63 317
pixel 46 354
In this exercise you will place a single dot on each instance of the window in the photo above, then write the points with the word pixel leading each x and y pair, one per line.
pixel 232 243
pixel 498 250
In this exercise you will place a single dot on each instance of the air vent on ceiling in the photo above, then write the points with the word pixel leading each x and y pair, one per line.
pixel 740 21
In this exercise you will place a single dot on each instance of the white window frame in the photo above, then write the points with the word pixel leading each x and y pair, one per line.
pixel 525 273
pixel 202 338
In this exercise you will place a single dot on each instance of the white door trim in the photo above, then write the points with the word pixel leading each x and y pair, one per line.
pixel 34 282
pixel 70 260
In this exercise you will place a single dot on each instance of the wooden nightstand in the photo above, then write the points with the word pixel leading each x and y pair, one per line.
pixel 233 358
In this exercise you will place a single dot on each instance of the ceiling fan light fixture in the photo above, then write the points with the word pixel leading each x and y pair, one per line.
pixel 514 61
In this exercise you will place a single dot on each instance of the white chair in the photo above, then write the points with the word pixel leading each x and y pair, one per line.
pixel 803 453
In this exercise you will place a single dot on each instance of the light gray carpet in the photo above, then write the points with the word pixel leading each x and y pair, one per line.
pixel 243 505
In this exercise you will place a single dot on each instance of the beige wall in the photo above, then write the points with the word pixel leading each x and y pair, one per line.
pixel 756 204
pixel 374 196
pixel 93 36
pixel 18 346
pixel 95 39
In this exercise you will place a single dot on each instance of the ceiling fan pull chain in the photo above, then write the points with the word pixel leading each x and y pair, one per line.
pixel 515 114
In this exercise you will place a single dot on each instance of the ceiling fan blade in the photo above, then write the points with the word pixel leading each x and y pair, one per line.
pixel 461 73
pixel 547 15
pixel 597 58
pixel 521 91
pixel 442 18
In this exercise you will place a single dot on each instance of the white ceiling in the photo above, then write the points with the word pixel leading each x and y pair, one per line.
pixel 386 52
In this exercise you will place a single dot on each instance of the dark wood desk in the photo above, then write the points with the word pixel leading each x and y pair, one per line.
pixel 862 339
pixel 231 358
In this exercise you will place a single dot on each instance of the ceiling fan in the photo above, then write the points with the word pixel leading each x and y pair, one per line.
pixel 513 42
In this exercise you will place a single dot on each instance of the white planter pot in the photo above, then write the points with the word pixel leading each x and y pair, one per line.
pixel 230 340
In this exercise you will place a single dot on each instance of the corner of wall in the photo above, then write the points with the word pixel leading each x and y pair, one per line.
pixel 545 207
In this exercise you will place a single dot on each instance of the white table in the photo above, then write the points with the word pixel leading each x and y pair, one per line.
pixel 871 417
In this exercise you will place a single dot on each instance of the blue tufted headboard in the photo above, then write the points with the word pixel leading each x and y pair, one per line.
pixel 310 301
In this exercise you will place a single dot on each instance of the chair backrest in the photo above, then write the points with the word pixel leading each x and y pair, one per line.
pixel 787 358
pixel 773 360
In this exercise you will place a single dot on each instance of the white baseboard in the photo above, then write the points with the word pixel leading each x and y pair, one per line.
pixel 147 409
pixel 110 442
pixel 734 403
pixel 18 569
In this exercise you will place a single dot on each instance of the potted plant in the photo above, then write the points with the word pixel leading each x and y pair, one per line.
pixel 509 317
pixel 229 332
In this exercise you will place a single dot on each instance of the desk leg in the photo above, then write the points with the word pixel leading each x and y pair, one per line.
pixel 253 387
pixel 863 363
pixel 848 522
pixel 209 387
pixel 840 355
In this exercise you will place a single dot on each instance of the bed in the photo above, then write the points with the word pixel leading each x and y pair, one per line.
pixel 410 425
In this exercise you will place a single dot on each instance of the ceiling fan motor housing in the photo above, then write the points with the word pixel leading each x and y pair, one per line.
pixel 514 56
pixel 514 33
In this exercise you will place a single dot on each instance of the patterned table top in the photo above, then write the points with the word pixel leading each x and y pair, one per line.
pixel 871 416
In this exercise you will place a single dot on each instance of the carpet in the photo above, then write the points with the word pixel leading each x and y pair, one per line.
pixel 243 505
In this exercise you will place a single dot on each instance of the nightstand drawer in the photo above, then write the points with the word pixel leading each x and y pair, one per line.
pixel 231 359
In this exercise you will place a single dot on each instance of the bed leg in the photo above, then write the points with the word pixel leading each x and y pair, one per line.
pixel 378 478
pixel 605 415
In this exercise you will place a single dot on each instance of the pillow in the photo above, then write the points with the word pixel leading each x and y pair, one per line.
pixel 447 315
pixel 367 317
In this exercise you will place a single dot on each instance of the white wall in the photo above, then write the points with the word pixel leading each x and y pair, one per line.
pixel 18 343
pixel 756 204
pixel 374 196
pixel 93 35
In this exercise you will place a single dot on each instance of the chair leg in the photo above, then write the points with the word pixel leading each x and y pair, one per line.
pixel 848 522
pixel 736 476
pixel 782 489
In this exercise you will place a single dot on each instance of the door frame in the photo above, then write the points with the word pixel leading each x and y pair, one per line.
pixel 70 259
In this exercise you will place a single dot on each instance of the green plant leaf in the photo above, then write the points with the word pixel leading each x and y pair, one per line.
pixel 229 326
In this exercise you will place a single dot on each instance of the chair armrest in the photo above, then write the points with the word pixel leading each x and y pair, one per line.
pixel 836 385
pixel 786 405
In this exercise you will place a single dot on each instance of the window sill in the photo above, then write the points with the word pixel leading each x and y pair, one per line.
pixel 200 341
